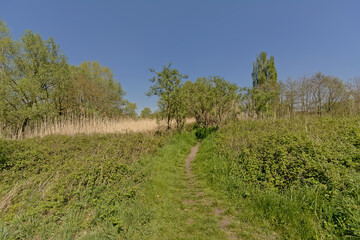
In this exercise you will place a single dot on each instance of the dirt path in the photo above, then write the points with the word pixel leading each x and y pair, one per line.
pixel 201 200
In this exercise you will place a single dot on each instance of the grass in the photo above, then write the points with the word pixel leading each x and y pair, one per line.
pixel 287 179
pixel 168 193
pixel 71 126
pixel 299 177
pixel 61 187
pixel 114 186
pixel 86 125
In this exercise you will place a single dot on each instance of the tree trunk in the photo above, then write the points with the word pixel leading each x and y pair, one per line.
pixel 23 126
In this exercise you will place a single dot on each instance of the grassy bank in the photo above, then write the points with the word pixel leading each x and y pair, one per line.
pixel 60 187
pixel 300 175
pixel 117 186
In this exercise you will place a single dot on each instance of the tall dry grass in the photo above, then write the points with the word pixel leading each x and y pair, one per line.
pixel 93 125
pixel 87 125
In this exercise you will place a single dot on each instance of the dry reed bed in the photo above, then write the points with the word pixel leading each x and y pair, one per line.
pixel 92 125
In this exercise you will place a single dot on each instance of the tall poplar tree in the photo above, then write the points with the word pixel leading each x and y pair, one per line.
pixel 265 92
pixel 264 71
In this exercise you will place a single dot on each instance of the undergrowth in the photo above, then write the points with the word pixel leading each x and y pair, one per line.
pixel 301 175
pixel 60 187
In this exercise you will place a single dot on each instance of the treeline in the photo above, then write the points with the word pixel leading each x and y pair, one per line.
pixel 212 101
pixel 319 94
pixel 38 83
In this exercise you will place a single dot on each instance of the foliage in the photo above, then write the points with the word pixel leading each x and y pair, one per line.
pixel 319 93
pixel 130 109
pixel 166 84
pixel 146 112
pixel 37 83
pixel 95 89
pixel 72 187
pixel 300 174
pixel 34 72
pixel 263 97
pixel 203 132
pixel 182 104
pixel 213 100
pixel 264 71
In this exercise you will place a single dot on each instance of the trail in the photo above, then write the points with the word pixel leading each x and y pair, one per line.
pixel 200 200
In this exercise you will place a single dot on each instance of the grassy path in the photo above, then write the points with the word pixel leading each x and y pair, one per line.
pixel 181 208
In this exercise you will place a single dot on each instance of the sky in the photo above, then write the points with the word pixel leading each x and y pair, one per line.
pixel 199 37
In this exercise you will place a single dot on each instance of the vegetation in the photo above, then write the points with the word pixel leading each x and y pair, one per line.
pixel 301 175
pixel 166 85
pixel 37 83
pixel 279 159
pixel 73 187
pixel 146 112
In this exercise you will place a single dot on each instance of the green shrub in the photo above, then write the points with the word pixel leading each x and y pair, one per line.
pixel 301 174
pixel 58 186
pixel 203 132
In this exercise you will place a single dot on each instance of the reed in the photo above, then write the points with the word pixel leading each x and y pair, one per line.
pixel 85 125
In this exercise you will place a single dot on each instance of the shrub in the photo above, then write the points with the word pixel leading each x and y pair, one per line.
pixel 203 132
pixel 301 174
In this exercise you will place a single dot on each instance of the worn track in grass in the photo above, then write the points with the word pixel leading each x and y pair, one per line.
pixel 200 199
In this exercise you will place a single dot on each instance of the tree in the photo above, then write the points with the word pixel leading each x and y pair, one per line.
pixel 288 97
pixel 33 71
pixel 318 94
pixel 202 98
pixel 181 106
pixel 6 68
pixel 166 83
pixel 226 98
pixel 265 91
pixel 96 90
pixel 130 109
pixel 146 112
pixel 264 71
pixel 213 100
pixel 36 83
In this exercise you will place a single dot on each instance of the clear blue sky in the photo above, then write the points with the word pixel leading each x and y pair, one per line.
pixel 200 37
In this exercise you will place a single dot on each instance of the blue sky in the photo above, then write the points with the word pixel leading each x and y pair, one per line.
pixel 200 37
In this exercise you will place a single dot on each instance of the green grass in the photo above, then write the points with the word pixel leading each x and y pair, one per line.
pixel 125 186
pixel 73 187
pixel 166 195
pixel 299 176
pixel 287 179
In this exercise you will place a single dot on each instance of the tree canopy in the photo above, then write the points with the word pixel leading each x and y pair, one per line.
pixel 165 85
pixel 36 82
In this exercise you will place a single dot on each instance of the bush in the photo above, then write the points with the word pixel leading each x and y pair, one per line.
pixel 59 186
pixel 302 175
pixel 203 132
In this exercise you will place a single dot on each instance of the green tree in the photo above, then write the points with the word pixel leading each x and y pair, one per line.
pixel 181 106
pixel 6 54
pixel 213 100
pixel 165 85
pixel 130 110
pixel 96 90
pixel 146 112
pixel 227 100
pixel 264 71
pixel 265 92
pixel 202 98
pixel 33 71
